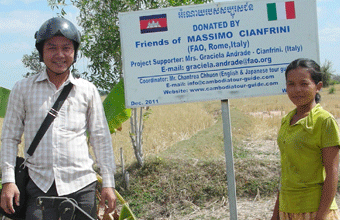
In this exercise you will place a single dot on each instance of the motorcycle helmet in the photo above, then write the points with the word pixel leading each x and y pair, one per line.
pixel 57 27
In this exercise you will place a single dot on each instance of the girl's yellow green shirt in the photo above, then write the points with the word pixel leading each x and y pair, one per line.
pixel 302 170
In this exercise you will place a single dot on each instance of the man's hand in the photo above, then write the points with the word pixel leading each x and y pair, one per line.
pixel 108 195
pixel 9 191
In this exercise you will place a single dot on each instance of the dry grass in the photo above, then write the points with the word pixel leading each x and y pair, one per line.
pixel 330 101
pixel 169 124
pixel 267 124
pixel 166 125
pixel 282 103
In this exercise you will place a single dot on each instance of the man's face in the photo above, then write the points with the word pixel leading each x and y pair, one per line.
pixel 58 54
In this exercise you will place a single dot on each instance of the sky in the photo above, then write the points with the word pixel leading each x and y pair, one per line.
pixel 20 19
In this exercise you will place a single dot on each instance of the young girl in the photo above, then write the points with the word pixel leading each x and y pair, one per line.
pixel 309 144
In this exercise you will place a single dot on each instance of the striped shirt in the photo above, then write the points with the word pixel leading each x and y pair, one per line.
pixel 63 154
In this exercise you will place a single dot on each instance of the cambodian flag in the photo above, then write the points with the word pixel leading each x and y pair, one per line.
pixel 153 23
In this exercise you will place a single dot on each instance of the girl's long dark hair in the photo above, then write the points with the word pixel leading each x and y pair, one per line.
pixel 313 69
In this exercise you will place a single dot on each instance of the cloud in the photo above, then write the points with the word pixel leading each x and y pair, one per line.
pixel 16 47
pixel 22 22
pixel 15 67
pixel 320 12
pixel 6 65
pixel 13 2
pixel 6 2
pixel 330 34
pixel 29 1
pixel 28 22
pixel 11 72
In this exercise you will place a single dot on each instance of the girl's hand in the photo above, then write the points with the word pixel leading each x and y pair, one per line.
pixel 275 217
pixel 321 215
pixel 330 159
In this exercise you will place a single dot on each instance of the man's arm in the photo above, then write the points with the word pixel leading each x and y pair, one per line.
pixel 12 131
pixel 108 195
pixel 101 141
pixel 9 191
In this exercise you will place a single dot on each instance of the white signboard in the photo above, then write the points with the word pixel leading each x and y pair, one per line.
pixel 214 51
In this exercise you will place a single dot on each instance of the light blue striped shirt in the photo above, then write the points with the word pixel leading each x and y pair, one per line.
pixel 63 153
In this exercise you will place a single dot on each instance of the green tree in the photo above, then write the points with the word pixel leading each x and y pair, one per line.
pixel 327 72
pixel 335 79
pixel 32 62
pixel 100 36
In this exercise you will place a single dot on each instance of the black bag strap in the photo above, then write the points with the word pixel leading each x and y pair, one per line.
pixel 51 115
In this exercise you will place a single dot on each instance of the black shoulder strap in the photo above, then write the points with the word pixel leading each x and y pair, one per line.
pixel 51 115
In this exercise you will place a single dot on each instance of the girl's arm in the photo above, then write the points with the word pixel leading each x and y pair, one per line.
pixel 276 209
pixel 330 158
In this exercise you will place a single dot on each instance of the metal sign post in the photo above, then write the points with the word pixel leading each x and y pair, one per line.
pixel 228 148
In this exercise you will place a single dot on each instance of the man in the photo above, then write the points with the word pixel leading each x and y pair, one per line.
pixel 60 165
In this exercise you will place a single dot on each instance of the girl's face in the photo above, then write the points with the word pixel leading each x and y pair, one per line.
pixel 301 88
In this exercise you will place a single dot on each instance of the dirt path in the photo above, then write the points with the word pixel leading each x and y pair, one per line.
pixel 258 209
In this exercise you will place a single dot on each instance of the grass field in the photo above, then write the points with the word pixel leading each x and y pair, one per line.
pixel 191 173
pixel 172 123
pixel 185 166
